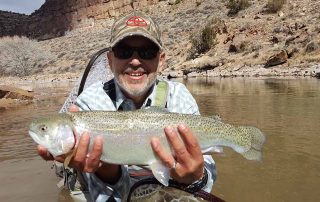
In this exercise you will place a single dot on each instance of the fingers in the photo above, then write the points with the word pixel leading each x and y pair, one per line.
pixel 189 140
pixel 93 160
pixel 84 161
pixel 44 153
pixel 186 155
pixel 81 153
pixel 179 149
pixel 166 158
pixel 74 108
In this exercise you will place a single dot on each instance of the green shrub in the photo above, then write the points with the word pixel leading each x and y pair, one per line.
pixel 178 1
pixel 20 56
pixel 274 6
pixel 204 40
pixel 237 5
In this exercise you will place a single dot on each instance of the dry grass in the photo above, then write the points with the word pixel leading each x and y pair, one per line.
pixel 313 58
pixel 20 56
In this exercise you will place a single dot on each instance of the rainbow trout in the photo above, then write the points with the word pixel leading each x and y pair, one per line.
pixel 127 135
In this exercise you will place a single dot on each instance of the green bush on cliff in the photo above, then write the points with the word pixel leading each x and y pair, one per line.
pixel 204 40
pixel 20 56
pixel 237 5
pixel 274 6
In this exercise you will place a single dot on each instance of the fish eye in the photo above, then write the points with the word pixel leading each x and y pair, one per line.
pixel 43 128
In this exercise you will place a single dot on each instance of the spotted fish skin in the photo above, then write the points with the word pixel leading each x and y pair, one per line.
pixel 127 134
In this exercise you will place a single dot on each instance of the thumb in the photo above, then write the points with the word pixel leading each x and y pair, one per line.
pixel 74 108
pixel 44 153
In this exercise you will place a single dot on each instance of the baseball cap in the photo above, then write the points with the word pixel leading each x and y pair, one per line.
pixel 135 24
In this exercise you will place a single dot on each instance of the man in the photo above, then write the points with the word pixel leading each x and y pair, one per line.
pixel 136 57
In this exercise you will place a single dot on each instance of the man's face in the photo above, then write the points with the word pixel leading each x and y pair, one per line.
pixel 135 74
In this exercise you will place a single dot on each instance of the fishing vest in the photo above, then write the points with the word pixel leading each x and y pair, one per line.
pixel 161 88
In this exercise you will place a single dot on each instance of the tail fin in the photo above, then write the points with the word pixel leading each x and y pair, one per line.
pixel 257 141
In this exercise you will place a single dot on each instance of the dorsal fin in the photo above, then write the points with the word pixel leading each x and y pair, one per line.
pixel 216 117
pixel 155 109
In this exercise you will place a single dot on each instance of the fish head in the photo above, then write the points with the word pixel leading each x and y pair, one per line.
pixel 54 133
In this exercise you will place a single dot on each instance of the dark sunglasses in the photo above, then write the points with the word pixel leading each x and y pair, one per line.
pixel 126 52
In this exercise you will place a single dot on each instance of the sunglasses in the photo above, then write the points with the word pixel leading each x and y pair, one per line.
pixel 126 52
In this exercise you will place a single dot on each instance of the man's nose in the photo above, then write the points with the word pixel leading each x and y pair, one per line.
pixel 135 59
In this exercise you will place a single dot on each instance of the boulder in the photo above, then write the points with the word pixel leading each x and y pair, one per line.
pixel 10 92
pixel 277 59
pixel 316 71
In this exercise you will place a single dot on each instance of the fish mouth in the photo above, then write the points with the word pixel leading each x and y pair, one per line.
pixel 36 138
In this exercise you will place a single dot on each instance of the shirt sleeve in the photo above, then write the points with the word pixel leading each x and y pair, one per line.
pixel 101 191
pixel 210 166
pixel 180 100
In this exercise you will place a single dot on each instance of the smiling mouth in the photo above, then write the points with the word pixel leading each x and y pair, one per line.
pixel 134 74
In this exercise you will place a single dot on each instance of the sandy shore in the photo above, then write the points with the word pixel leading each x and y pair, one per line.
pixel 29 82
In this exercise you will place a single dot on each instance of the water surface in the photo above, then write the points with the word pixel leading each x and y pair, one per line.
pixel 286 110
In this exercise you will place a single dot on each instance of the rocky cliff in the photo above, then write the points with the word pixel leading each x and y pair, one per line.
pixel 55 17
pixel 239 40
pixel 12 23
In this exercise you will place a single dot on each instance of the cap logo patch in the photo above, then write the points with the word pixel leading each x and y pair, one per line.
pixel 136 21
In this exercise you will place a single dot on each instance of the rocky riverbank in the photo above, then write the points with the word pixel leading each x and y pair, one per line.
pixel 207 70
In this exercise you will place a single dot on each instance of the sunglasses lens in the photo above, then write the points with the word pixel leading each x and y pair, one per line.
pixel 125 52
pixel 148 53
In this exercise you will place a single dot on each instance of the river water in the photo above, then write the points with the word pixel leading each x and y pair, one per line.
pixel 286 110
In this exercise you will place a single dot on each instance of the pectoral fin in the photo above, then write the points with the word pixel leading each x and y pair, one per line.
pixel 69 157
pixel 252 154
pixel 213 149
pixel 160 172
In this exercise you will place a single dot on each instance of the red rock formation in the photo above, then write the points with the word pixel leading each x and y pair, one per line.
pixel 55 17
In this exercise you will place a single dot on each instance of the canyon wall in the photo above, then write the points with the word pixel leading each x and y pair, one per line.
pixel 55 17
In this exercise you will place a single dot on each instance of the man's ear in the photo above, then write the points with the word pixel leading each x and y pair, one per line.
pixel 162 59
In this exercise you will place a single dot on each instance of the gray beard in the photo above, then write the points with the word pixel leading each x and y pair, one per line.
pixel 135 93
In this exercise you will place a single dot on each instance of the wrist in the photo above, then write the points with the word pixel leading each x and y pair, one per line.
pixel 194 186
pixel 198 184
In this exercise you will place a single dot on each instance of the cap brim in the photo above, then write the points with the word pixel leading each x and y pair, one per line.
pixel 139 32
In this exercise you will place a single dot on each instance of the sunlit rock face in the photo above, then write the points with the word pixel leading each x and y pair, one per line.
pixel 55 17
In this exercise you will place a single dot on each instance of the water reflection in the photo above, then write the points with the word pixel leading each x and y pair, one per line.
pixel 287 111
pixel 26 176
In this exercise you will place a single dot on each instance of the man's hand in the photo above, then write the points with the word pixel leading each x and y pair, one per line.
pixel 84 161
pixel 186 162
